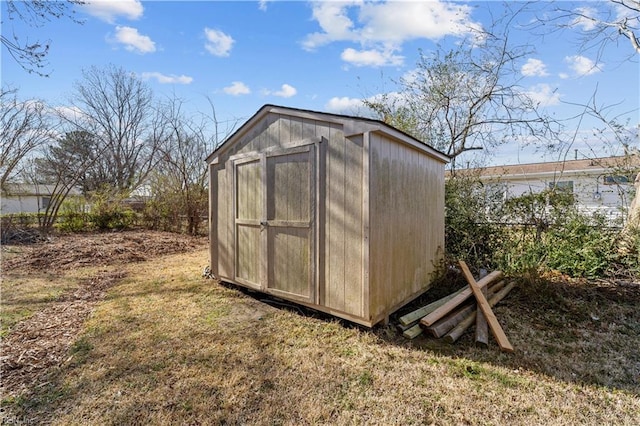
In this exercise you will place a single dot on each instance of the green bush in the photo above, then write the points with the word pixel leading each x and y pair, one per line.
pixel 533 233
pixel 470 234
pixel 107 213
pixel 581 246
pixel 73 217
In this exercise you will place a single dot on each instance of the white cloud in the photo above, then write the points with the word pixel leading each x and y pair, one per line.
pixel 582 65
pixel 344 105
pixel 544 95
pixel 374 58
pixel 380 28
pixel 109 10
pixel 356 106
pixel 286 91
pixel 72 113
pixel 167 79
pixel 134 41
pixel 534 68
pixel 586 18
pixel 262 4
pixel 237 88
pixel 218 43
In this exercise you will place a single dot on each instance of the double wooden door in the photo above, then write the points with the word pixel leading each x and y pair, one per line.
pixel 274 220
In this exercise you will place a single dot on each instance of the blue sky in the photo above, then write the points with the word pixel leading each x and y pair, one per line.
pixel 322 56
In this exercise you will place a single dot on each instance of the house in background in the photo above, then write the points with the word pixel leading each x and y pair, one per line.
pixel 343 214
pixel 25 198
pixel 603 185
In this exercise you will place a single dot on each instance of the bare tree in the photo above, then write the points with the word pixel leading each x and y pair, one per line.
pixel 180 179
pixel 25 126
pixel 600 24
pixel 64 166
pixel 32 55
pixel 467 98
pixel 116 108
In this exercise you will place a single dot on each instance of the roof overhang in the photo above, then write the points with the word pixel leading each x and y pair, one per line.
pixel 352 126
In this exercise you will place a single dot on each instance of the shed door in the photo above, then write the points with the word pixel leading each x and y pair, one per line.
pixel 290 219
pixel 248 216
pixel 275 222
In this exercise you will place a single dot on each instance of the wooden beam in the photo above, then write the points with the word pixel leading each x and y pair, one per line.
pixel 426 310
pixel 459 329
pixel 444 325
pixel 494 325
pixel 482 328
pixel 402 328
pixel 457 300
pixel 413 332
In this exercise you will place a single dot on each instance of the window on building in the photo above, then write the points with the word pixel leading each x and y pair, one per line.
pixel 566 186
pixel 44 203
pixel 617 180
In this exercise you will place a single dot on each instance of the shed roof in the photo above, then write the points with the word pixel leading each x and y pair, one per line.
pixel 353 125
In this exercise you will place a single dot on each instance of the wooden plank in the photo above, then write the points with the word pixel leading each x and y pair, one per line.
pixel 459 329
pixel 494 325
pixel 444 325
pixel 482 328
pixel 426 310
pixel 413 332
pixel 403 328
pixel 454 302
pixel 352 217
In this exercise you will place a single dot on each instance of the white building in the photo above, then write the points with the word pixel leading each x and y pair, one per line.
pixel 605 185
pixel 26 198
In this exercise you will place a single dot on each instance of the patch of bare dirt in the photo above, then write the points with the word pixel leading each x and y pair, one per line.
pixel 43 341
pixel 72 251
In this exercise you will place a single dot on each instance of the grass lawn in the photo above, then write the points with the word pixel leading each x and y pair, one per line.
pixel 166 346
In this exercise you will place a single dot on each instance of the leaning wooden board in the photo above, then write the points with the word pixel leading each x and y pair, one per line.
pixel 495 327
pixel 459 329
pixel 457 300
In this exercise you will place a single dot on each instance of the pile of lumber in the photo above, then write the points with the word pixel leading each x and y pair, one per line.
pixel 452 315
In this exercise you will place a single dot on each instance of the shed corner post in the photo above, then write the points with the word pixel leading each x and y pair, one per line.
pixel 210 220
pixel 366 158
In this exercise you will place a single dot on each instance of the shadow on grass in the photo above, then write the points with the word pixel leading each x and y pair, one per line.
pixel 237 368
pixel 581 332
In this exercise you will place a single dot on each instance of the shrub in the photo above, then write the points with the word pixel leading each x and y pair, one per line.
pixel 580 246
pixel 73 217
pixel 107 212
pixel 533 233
pixel 470 234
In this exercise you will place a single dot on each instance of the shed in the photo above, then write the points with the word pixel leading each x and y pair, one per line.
pixel 339 213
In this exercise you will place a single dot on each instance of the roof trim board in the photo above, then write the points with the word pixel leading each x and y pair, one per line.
pixel 352 126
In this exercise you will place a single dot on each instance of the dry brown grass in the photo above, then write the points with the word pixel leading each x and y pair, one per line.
pixel 166 346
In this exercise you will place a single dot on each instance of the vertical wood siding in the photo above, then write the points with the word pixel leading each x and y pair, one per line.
pixel 405 227
pixel 290 195
pixel 222 235
pixel 406 222
pixel 343 223
pixel 249 193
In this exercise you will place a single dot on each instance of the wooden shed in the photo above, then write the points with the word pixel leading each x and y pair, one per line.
pixel 342 214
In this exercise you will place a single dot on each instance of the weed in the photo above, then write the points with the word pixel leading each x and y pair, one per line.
pixel 365 378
